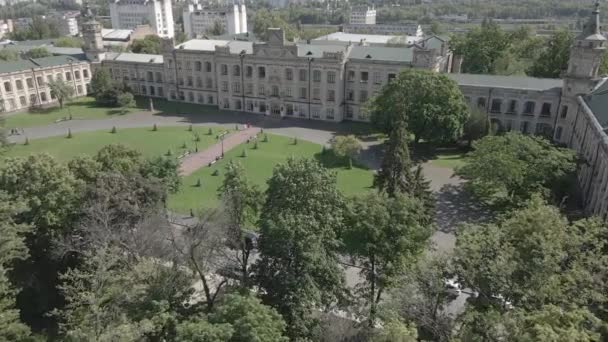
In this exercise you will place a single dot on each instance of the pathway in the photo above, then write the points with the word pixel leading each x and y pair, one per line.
pixel 197 160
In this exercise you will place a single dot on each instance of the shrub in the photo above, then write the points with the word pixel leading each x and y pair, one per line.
pixel 190 128
pixel 169 153
pixel 244 154
pixel 113 131
pixel 27 141
pixel 198 183
pixel 216 172
pixel 265 138
pixel 184 146
pixel 197 137
pixel 210 131
pixel 154 128
pixel 295 141
pixel 69 134
pixel 255 145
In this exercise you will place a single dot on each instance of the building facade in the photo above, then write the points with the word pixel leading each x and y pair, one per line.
pixel 24 84
pixel 199 21
pixel 362 15
pixel 128 14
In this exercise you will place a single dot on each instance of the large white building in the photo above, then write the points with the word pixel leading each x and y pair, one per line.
pixel 199 21
pixel 363 15
pixel 128 14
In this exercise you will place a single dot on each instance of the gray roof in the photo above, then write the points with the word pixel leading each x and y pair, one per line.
pixel 509 82
pixel 135 57
pixel 598 103
pixel 52 61
pixel 316 51
pixel 370 38
pixel 390 54
pixel 201 44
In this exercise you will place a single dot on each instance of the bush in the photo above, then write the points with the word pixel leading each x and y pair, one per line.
pixel 265 138
pixel 169 153
pixel 154 128
pixel 210 131
pixel 190 128
pixel 255 145
pixel 295 141
pixel 27 141
pixel 184 146
pixel 197 137
pixel 244 154
pixel 69 134
pixel 198 183
pixel 216 172
pixel 113 130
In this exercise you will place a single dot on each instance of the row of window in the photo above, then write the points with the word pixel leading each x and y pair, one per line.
pixel 513 107
pixel 275 91
pixel 29 82
pixel 524 127
pixel 364 76
pixel 34 99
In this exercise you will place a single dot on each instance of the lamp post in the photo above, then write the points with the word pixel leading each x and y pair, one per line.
pixel 310 59
pixel 221 136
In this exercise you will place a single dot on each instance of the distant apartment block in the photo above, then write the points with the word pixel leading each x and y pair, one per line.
pixel 199 20
pixel 6 27
pixel 128 14
pixel 363 15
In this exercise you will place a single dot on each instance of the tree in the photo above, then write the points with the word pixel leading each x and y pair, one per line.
pixel 165 169
pixel 298 265
pixel 101 81
pixel 242 202
pixel 429 103
pixel 125 101
pixel 38 52
pixel 422 297
pixel 9 55
pixel 150 44
pixel 200 330
pixel 265 19
pixel 61 90
pixel 506 170
pixel 217 29
pixel 251 320
pixel 346 147
pixel 477 126
pixel 384 235
pixel 553 59
pixel 71 42
pixel 119 158
pixel 480 47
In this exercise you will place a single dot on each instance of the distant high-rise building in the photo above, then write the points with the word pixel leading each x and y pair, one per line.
pixel 231 19
pixel 363 15
pixel 128 14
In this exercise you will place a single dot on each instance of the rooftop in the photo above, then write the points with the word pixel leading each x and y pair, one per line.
pixel 369 38
pixel 112 34
pixel 509 82
pixel 135 57
pixel 390 54
pixel 316 51
pixel 6 67
pixel 598 103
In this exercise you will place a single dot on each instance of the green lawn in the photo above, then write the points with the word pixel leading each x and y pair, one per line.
pixel 149 143
pixel 80 108
pixel 451 160
pixel 259 164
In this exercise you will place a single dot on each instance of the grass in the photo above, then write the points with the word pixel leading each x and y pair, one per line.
pixel 450 160
pixel 259 164
pixel 148 142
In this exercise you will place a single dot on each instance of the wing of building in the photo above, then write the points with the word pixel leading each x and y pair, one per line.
pixel 333 79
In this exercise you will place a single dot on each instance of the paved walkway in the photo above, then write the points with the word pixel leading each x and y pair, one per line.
pixel 197 160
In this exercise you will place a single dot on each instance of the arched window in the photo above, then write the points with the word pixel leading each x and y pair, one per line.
pixel 236 70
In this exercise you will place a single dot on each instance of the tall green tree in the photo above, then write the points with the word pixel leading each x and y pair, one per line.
pixel 481 47
pixel 298 267
pixel 430 105
pixel 101 81
pixel 38 52
pixel 477 126
pixel 125 101
pixel 506 170
pixel 265 19
pixel 553 59
pixel 149 44
pixel 242 203
pixel 62 90
pixel 384 235
pixel 251 320
pixel 346 147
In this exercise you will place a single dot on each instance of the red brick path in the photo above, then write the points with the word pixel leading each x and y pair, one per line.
pixel 195 161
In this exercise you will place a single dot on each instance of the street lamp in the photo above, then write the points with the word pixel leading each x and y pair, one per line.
pixel 221 136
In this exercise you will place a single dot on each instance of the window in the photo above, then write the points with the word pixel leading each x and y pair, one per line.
pixel 33 99
pixel 524 126
pixel 481 102
pixel 22 101
pixel 236 71
pixel 180 81
pixel 289 74
pixel 350 95
pixel 275 91
pixel 249 88
pixel 77 74
pixel 262 107
pixel 190 97
pixel 331 95
pixel 236 87
pixel 190 82
pixel 85 73
pixel 209 82
pixel 237 105
pixel 261 72
pixel 364 76
pixel 210 99
pixel 315 112
pixel 261 90
pixel 43 97
pixel 545 110
pixel 351 75
pixel 224 69
pixel 288 92
pixel 289 109
pixel 49 78
pixel 512 107
pixel 377 78
pixel 152 91
pixel 159 77
pixel 363 96
pixel 224 86
pixel 198 66
pixel 316 94
pixel 331 77
pixel 329 114
pixel 150 76
pixel 161 93
pixel 226 104
pixel 19 84
pixel 391 77
pixel 496 106
pixel 59 77
pixel 250 106
pixel 29 82
pixel 68 76
pixel 316 75
pixel 200 98
pixel 208 67
pixel 199 82
pixel 564 112
pixel 302 93
pixel 248 71
pixel 303 73
pixel 349 112
pixel 558 133
pixel 529 108
pixel 7 87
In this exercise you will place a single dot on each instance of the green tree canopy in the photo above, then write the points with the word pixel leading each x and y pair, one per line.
pixel 149 44
pixel 68 42
pixel 265 19
pixel 481 47
pixel 506 170
pixel 38 52
pixel 62 90
pixel 8 55
pixel 346 146
pixel 298 266
pixel 430 104
pixel 553 59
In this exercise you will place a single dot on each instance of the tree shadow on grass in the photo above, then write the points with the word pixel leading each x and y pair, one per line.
pixel 330 160
pixel 423 152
